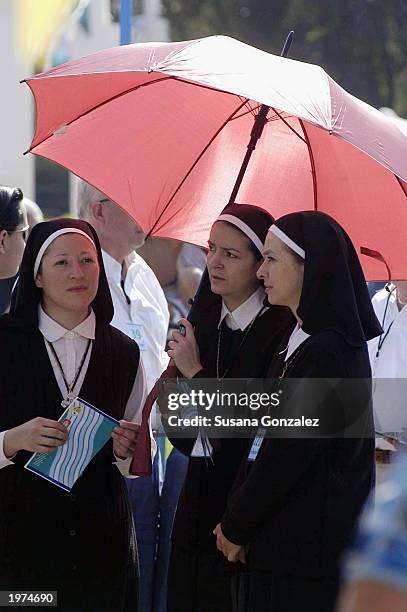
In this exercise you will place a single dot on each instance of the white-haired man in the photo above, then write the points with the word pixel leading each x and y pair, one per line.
pixel 141 312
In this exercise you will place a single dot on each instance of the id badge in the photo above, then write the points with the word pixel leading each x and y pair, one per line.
pixel 136 331
pixel 257 442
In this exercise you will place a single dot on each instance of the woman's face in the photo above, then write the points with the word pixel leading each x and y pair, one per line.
pixel 12 245
pixel 281 273
pixel 69 275
pixel 232 265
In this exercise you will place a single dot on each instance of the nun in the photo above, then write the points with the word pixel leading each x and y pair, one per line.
pixel 58 344
pixel 296 500
pixel 235 334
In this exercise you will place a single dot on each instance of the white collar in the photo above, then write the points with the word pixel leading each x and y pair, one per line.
pixel 53 331
pixel 399 318
pixel 298 336
pixel 113 268
pixel 244 314
pixel 392 289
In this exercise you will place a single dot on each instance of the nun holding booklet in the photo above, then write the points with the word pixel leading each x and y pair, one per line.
pixel 56 345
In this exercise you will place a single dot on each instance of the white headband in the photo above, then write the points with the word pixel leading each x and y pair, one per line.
pixel 284 238
pixel 244 228
pixel 45 245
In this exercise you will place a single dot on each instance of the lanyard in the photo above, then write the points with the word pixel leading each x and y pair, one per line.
pixel 382 336
pixel 261 431
pixel 246 333
pixel 122 285
pixel 69 388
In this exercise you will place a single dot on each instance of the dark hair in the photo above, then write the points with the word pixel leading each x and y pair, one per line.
pixel 298 258
pixel 252 247
pixel 10 209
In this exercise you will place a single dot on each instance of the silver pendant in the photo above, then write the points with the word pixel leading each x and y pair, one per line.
pixel 69 399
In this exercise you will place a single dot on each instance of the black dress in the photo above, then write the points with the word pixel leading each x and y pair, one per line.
pixel 298 503
pixel 82 543
pixel 199 575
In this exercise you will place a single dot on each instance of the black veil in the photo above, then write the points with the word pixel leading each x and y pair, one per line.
pixel 334 294
pixel 28 296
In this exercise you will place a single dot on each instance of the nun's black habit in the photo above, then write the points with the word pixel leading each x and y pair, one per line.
pixel 199 576
pixel 80 544
pixel 297 504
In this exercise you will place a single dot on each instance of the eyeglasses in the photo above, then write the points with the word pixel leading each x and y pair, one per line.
pixel 23 231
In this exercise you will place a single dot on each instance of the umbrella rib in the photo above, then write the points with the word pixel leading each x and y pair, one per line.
pixel 400 182
pixel 194 165
pixel 124 93
pixel 305 140
pixel 312 162
pixel 90 110
pixel 245 113
pixel 252 110
pixel 290 126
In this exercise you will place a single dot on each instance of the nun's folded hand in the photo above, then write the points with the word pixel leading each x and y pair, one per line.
pixel 233 552
pixel 184 351
pixel 39 435
pixel 125 439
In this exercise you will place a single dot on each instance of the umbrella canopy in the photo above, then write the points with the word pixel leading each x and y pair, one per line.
pixel 162 130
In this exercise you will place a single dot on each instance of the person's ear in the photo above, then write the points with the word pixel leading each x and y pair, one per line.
pixel 98 212
pixel 38 281
pixel 3 242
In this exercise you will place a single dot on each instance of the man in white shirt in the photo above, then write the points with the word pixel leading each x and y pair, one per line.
pixel 388 358
pixel 141 312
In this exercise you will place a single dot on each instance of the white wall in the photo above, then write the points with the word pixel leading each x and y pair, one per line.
pixel 16 110
pixel 103 33
pixel 150 26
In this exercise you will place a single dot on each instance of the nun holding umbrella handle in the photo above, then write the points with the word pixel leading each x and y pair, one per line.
pixel 141 463
pixel 257 129
pixel 184 350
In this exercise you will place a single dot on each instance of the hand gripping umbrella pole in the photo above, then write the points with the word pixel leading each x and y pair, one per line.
pixel 141 463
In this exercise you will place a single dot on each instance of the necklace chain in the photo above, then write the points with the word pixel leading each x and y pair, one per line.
pixel 69 388
pixel 290 361
pixel 245 334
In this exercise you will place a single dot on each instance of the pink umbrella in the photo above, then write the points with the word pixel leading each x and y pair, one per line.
pixel 162 130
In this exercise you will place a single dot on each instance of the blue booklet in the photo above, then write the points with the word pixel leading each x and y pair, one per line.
pixel 89 430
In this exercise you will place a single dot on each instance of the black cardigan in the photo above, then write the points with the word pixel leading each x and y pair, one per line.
pixel 297 504
pixel 203 498
pixel 49 538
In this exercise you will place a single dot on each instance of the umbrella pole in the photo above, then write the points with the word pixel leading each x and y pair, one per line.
pixel 257 129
